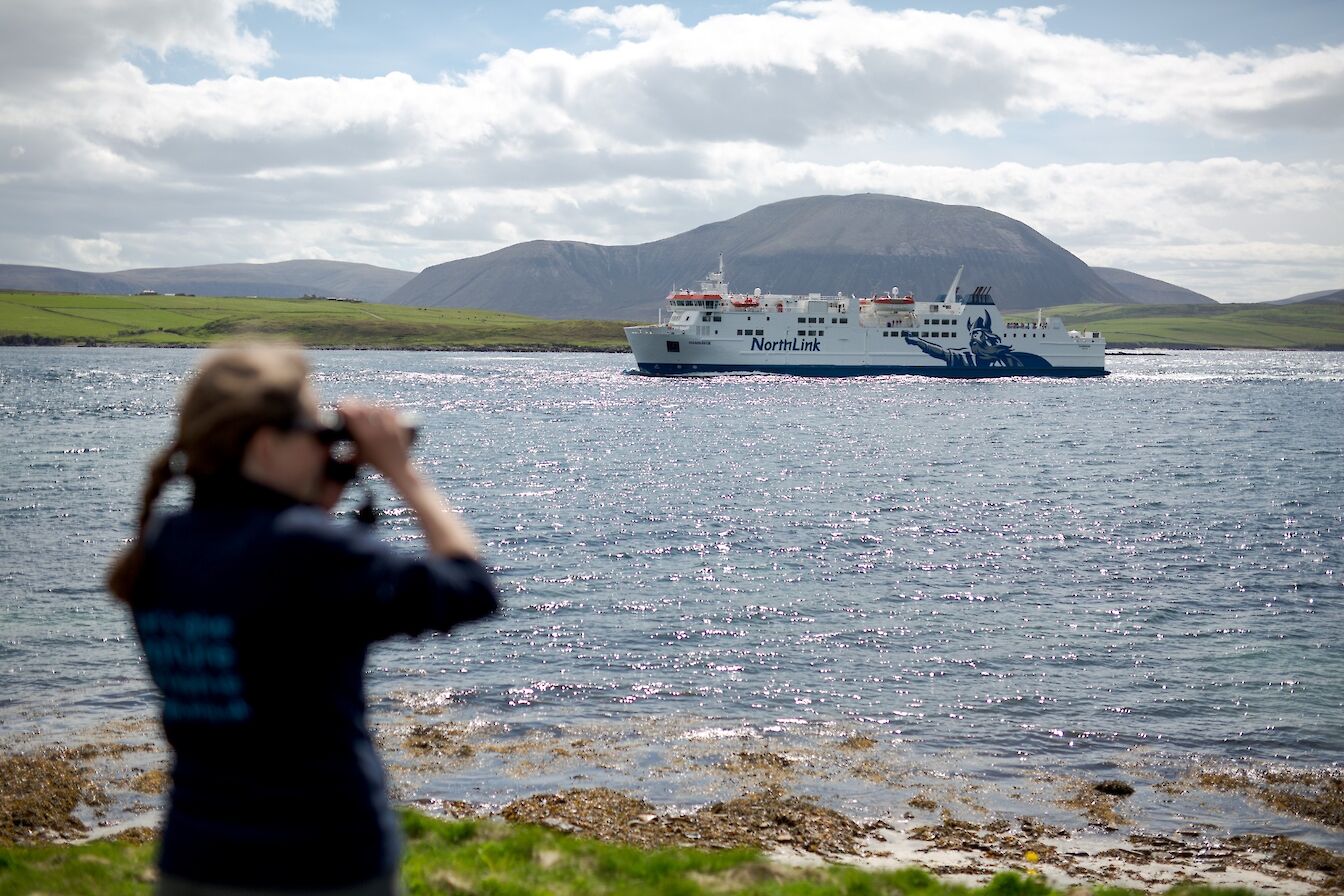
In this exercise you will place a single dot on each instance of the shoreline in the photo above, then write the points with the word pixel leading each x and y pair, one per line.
pixel 45 342
pixel 1121 349
pixel 1071 832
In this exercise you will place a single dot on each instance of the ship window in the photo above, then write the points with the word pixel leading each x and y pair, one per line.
pixel 760 332
pixel 844 320
pixel 673 345
pixel 802 320
pixel 718 318
pixel 821 332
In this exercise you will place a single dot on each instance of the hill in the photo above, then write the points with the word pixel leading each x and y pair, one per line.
pixel 281 279
pixel 1325 296
pixel 1305 325
pixel 828 244
pixel 1151 291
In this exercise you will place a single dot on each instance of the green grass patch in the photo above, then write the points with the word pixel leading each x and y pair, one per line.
pixel 320 323
pixel 316 323
pixel 109 867
pixel 493 857
pixel 1300 326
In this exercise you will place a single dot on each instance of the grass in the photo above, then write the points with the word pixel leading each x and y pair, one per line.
pixel 1300 326
pixel 320 323
pixel 491 857
pixel 316 323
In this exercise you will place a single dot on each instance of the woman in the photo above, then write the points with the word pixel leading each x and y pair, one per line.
pixel 255 609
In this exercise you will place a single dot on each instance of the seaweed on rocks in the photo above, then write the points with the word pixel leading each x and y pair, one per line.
pixel 1295 854
pixel 40 796
pixel 1099 802
pixel 765 819
pixel 1112 787
pixel 1314 795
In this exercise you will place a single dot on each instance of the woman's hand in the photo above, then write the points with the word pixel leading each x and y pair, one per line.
pixel 384 443
pixel 381 441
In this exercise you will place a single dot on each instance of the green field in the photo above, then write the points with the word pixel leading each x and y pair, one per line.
pixel 44 318
pixel 1301 326
pixel 316 323
pixel 488 857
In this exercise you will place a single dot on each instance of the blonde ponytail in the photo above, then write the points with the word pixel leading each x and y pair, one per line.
pixel 125 569
pixel 235 391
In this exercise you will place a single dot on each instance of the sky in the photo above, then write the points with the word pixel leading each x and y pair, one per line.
pixel 1197 142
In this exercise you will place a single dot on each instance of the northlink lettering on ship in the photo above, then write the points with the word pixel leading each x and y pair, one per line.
pixel 785 345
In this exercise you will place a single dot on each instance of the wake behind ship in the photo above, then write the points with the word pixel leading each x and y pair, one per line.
pixel 716 331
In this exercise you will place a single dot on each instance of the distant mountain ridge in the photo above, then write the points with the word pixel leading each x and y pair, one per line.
pixel 823 244
pixel 281 279
pixel 1151 291
pixel 1324 296
pixel 827 244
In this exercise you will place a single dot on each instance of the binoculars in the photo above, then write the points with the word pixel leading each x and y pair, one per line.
pixel 341 447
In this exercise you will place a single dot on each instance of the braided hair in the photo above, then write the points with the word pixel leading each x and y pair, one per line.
pixel 236 391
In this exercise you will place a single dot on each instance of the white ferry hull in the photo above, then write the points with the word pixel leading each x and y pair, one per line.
pixel 714 331
pixel 831 357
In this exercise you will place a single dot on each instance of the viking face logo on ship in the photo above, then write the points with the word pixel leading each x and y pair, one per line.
pixel 987 348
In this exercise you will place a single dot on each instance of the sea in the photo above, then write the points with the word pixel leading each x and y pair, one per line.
pixel 858 589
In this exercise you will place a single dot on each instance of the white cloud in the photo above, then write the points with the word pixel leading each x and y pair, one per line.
pixel 95 253
pixel 674 125
pixel 42 39
pixel 635 22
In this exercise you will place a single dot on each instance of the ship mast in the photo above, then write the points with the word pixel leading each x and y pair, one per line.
pixel 952 290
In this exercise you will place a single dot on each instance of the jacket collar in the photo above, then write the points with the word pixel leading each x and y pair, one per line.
pixel 236 490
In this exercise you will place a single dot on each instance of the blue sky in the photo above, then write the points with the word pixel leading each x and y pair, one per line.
pixel 1196 142
pixel 429 40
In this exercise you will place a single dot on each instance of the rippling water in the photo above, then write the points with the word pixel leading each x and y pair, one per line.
pixel 1050 573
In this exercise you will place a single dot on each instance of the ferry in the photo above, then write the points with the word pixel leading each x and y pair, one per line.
pixel 711 331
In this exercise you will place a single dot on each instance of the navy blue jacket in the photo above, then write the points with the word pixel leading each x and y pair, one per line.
pixel 255 613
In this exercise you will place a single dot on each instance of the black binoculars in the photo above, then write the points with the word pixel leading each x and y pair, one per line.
pixel 335 434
